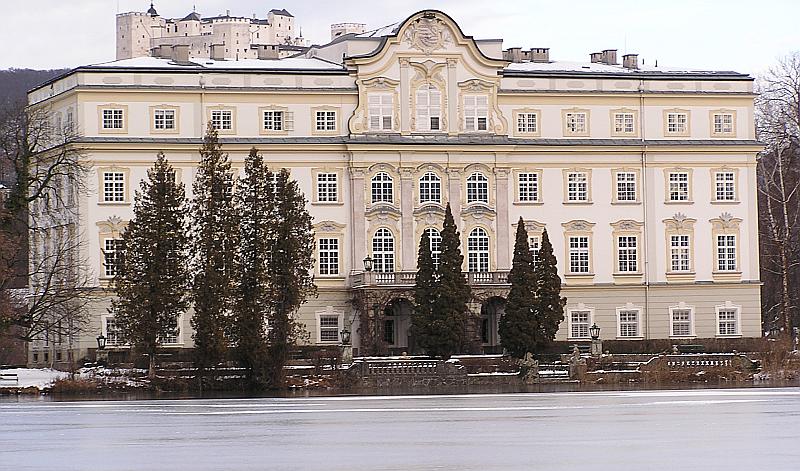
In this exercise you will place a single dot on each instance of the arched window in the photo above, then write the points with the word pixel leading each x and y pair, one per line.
pixel 382 188
pixel 429 106
pixel 430 188
pixel 477 188
pixel 478 250
pixel 383 251
pixel 435 239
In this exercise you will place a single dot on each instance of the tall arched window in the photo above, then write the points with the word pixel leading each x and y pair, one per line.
pixel 429 106
pixel 477 188
pixel 435 239
pixel 478 250
pixel 383 251
pixel 430 188
pixel 382 188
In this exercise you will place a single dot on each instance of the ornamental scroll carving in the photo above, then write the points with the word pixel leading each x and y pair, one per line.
pixel 578 225
pixel 428 35
pixel 680 222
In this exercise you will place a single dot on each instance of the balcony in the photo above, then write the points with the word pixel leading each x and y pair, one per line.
pixel 407 278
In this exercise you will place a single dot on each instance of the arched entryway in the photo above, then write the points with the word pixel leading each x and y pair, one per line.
pixel 491 311
pixel 397 326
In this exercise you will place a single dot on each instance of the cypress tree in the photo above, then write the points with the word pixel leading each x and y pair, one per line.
pixel 424 295
pixel 213 234
pixel 152 278
pixel 549 309
pixel 256 205
pixel 517 327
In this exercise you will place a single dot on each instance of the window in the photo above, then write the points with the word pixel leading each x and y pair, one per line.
pixel 430 188
pixel 325 121
pixel 681 321
pixel 679 253
pixel 476 110
pixel 575 122
pixel 679 186
pixel 477 188
pixel 388 331
pixel 579 324
pixel 113 186
pixel 170 335
pixel 677 123
pixel 723 123
pixel 579 254
pixel 527 123
pixel 111 248
pixel 725 186
pixel 383 251
pixel 113 119
pixel 222 120
pixel 726 252
pixel 629 323
pixel 328 256
pixel 328 328
pixel 577 186
pixel 528 187
pixel 435 239
pixel 478 251
pixel 163 119
pixel 327 191
pixel 626 186
pixel 535 244
pixel 382 188
pixel 113 332
pixel 380 108
pixel 728 321
pixel 273 120
pixel 624 123
pixel 627 254
pixel 429 100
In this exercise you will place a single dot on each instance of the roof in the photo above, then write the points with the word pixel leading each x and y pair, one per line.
pixel 282 12
pixel 388 30
pixel 595 68
pixel 289 63
pixel 193 16
pixel 152 11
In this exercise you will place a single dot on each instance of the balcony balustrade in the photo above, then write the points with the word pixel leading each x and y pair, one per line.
pixel 408 278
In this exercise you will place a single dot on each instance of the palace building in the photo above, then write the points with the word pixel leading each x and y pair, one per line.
pixel 644 177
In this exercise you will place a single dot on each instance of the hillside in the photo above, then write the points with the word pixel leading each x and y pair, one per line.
pixel 15 82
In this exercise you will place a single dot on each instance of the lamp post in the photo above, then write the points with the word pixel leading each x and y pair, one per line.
pixel 597 344
pixel 101 355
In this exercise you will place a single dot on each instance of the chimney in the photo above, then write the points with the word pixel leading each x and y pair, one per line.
pixel 513 54
pixel 218 52
pixel 267 51
pixel 630 61
pixel 165 51
pixel 227 13
pixel 540 54
pixel 596 57
pixel 180 53
pixel 610 56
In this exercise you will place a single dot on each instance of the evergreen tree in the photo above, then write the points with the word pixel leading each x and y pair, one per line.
pixel 290 266
pixel 152 278
pixel 549 309
pixel 517 327
pixel 424 294
pixel 213 234
pixel 256 206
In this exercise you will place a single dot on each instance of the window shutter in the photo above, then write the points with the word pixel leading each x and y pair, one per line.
pixel 288 120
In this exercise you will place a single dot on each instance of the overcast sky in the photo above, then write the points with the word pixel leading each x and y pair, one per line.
pixel 746 36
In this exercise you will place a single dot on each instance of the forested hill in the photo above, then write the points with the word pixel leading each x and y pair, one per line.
pixel 14 83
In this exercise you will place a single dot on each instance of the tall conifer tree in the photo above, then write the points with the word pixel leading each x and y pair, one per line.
pixel 152 277
pixel 517 327
pixel 549 309
pixel 424 295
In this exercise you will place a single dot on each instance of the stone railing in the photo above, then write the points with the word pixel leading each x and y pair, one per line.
pixel 408 278
pixel 696 361
pixel 406 367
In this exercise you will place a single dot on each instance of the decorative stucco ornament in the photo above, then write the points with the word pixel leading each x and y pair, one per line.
pixel 428 35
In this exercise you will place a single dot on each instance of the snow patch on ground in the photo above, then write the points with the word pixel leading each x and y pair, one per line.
pixel 31 377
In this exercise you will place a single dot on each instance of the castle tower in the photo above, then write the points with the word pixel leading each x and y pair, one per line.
pixel 135 30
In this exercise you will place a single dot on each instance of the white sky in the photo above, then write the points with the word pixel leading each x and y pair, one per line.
pixel 742 35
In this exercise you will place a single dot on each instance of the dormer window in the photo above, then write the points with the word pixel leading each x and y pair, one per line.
pixel 381 108
pixel 428 104
pixel 476 112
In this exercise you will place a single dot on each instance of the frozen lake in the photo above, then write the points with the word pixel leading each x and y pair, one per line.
pixel 711 429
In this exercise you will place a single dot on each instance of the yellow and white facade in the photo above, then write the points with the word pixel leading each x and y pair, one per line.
pixel 644 178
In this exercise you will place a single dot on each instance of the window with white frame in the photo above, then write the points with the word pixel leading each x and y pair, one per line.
pixel 430 188
pixel 677 122
pixel 382 188
pixel 477 188
pixel 222 120
pixel 726 252
pixel 380 107
pixel 577 186
pixel 579 324
pixel 624 123
pixel 383 251
pixel 272 120
pixel 723 123
pixel 111 253
pixel 328 255
pixel 163 120
pixel 679 186
pixel 681 322
pixel 534 245
pixel 527 123
pixel 728 321
pixel 575 122
pixel 429 108
pixel 478 250
pixel 626 186
pixel 113 332
pixel 170 335
pixel 725 186
pixel 327 187
pixel 627 254
pixel 476 112
pixel 328 327
pixel 628 323
pixel 528 187
pixel 113 118
pixel 435 241
pixel 680 252
pixel 325 120
pixel 579 254
pixel 113 187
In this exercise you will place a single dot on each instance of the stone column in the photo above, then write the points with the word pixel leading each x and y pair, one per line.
pixel 407 219
pixel 503 224
pixel 452 97
pixel 358 239
pixel 405 102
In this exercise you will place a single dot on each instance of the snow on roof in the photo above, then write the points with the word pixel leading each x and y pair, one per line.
pixel 594 67
pixel 380 32
pixel 289 63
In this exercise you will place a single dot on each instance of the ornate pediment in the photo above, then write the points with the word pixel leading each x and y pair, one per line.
pixel 726 221
pixel 478 212
pixel 428 34
pixel 679 222
pixel 328 227
pixel 429 214
pixel 382 211
pixel 113 224
pixel 578 225
pixel 627 225
pixel 533 227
